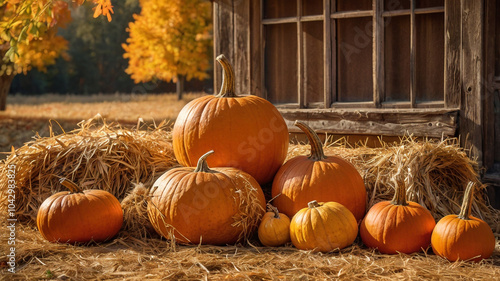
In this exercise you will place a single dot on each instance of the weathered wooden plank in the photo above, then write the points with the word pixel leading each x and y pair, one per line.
pixel 471 108
pixel 452 46
pixel 489 107
pixel 405 12
pixel 419 122
pixel 223 35
pixel 255 49
pixel 300 59
pixel 280 20
pixel 327 55
pixel 413 49
pixel 241 39
pixel 334 64
pixel 378 53
pixel 352 14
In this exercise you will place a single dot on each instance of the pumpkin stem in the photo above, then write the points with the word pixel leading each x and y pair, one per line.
pixel 467 203
pixel 273 209
pixel 317 153
pixel 313 204
pixel 227 87
pixel 400 189
pixel 202 163
pixel 73 188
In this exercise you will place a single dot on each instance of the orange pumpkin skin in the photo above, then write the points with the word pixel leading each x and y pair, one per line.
pixel 247 132
pixel 457 239
pixel 463 237
pixel 91 215
pixel 274 229
pixel 323 227
pixel 396 228
pixel 204 206
pixel 318 177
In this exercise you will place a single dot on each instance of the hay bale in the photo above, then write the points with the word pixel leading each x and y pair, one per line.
pixel 126 162
pixel 439 171
pixel 95 155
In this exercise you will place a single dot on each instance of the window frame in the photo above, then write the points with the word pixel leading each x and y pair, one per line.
pixel 329 19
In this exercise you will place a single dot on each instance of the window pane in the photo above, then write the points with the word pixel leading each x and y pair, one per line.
pixel 428 3
pixel 313 61
pixel 279 8
pixel 397 58
pixel 281 63
pixel 312 7
pixel 392 5
pixel 349 5
pixel 354 60
pixel 430 57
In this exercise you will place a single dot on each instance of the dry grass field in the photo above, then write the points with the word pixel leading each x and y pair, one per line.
pixel 27 115
pixel 139 254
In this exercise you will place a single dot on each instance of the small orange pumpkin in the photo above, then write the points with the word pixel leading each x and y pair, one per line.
pixel 208 206
pixel 318 177
pixel 323 227
pixel 274 229
pixel 397 225
pixel 79 216
pixel 247 132
pixel 463 237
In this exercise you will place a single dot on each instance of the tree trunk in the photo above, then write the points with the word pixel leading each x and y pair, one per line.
pixel 5 81
pixel 180 86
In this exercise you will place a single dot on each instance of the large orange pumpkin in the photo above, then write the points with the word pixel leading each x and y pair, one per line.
pixel 209 206
pixel 318 177
pixel 323 227
pixel 79 216
pixel 463 237
pixel 397 225
pixel 247 132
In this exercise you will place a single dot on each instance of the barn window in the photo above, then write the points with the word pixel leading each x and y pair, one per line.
pixel 342 53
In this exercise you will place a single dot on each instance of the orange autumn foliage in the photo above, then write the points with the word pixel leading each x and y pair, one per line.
pixel 169 39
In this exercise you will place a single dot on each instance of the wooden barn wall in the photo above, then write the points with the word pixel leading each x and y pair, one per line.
pixel 232 37
pixel 467 43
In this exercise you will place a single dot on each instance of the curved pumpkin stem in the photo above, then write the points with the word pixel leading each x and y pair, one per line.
pixel 202 163
pixel 313 204
pixel 467 203
pixel 273 209
pixel 73 187
pixel 227 88
pixel 400 189
pixel 316 145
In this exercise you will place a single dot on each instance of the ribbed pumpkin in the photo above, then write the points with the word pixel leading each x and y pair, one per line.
pixel 397 225
pixel 323 227
pixel 247 132
pixel 79 216
pixel 318 177
pixel 274 229
pixel 202 205
pixel 463 237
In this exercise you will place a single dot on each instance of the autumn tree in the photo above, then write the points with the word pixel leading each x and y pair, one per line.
pixel 170 41
pixel 28 35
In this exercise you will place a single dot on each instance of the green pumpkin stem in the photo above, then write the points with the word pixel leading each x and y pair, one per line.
pixel 202 163
pixel 400 189
pixel 273 209
pixel 313 204
pixel 227 87
pixel 467 203
pixel 317 153
pixel 73 187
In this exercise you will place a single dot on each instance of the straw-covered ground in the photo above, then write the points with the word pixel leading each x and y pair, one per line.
pixel 127 161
